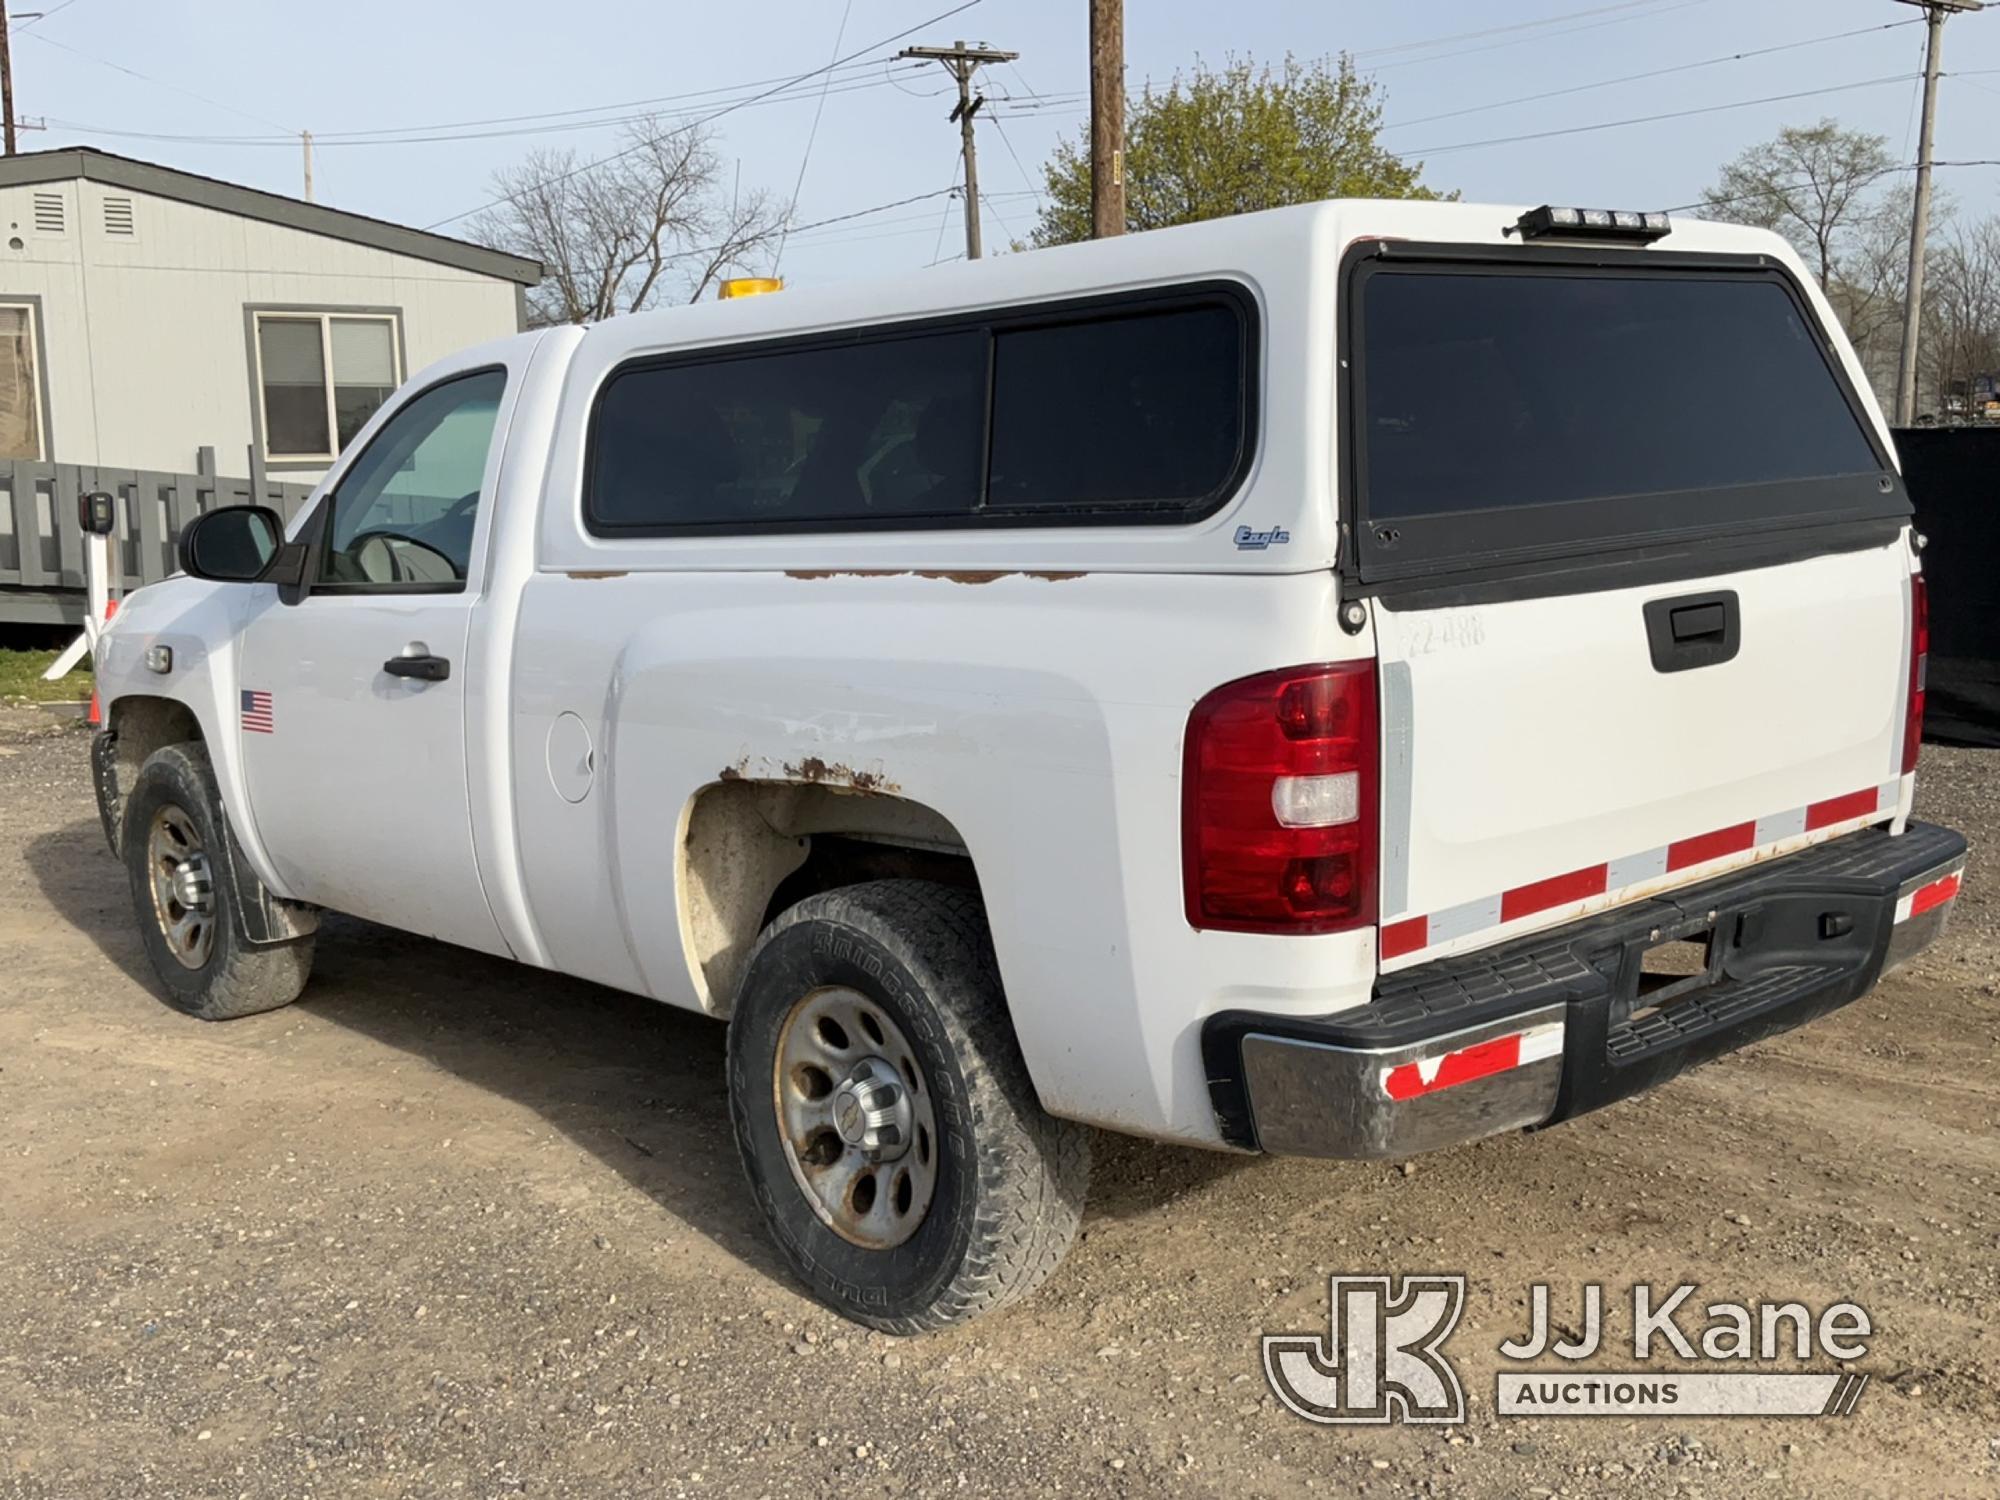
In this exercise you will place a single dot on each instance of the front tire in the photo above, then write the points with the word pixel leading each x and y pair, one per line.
pixel 175 846
pixel 884 1114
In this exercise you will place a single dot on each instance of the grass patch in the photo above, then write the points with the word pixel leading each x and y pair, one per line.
pixel 21 678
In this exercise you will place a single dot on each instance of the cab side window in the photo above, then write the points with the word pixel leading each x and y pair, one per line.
pixel 403 513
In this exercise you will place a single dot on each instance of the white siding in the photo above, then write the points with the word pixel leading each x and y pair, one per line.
pixel 159 364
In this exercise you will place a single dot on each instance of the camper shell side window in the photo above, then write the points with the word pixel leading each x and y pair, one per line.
pixel 1130 409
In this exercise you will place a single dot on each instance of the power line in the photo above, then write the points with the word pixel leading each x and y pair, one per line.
pixel 747 101
pixel 1544 36
pixel 54 10
pixel 1491 31
pixel 291 136
pixel 705 119
pixel 845 75
pixel 1604 83
pixel 1777 189
pixel 957 166
pixel 1007 141
pixel 859 213
pixel 1916 99
pixel 1678 114
pixel 811 135
pixel 851 70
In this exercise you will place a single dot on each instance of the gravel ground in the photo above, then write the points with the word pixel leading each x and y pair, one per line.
pixel 453 1227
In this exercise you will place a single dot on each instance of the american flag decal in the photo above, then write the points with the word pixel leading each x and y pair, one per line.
pixel 257 713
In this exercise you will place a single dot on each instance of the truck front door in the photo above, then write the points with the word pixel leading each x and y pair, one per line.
pixel 353 700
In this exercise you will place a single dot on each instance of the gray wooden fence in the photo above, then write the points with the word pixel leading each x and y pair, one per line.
pixel 41 543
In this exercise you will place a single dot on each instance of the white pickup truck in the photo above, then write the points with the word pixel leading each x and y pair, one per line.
pixel 1340 681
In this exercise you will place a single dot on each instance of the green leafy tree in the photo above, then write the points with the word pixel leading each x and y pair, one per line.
pixel 1215 143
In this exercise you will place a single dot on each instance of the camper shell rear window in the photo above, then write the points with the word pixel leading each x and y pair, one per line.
pixel 1137 408
pixel 1538 404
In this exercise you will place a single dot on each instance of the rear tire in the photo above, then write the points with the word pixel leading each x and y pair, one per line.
pixel 977 1192
pixel 175 846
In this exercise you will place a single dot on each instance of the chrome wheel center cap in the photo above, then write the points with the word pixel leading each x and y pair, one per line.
pixel 190 883
pixel 871 1110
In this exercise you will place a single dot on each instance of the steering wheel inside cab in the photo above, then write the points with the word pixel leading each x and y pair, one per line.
pixel 380 555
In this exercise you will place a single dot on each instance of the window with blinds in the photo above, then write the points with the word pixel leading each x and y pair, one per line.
pixel 20 384
pixel 320 377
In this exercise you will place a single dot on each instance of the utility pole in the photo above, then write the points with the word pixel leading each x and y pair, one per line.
pixel 962 62
pixel 1935 12
pixel 1107 118
pixel 305 140
pixel 7 75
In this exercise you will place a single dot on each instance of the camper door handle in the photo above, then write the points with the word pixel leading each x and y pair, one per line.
pixel 1695 630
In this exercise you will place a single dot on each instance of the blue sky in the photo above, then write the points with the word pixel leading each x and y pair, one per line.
pixel 223 70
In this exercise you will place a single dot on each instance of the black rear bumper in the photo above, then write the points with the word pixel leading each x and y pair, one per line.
pixel 1430 1061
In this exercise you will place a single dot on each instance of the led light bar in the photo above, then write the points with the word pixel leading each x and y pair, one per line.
pixel 1592 224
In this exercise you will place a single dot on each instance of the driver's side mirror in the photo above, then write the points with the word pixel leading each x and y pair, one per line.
pixel 237 544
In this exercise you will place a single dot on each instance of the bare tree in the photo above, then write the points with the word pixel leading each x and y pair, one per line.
pixel 1812 184
pixel 1961 330
pixel 650 223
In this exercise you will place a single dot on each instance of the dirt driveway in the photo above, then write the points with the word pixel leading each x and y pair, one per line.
pixel 453 1227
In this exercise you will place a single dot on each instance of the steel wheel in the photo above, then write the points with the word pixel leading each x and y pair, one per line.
pixel 855 1118
pixel 183 892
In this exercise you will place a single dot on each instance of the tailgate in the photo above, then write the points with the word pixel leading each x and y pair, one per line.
pixel 1641 577
pixel 1538 763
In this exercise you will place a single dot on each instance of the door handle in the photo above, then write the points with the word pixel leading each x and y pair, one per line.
pixel 1695 630
pixel 1696 622
pixel 418 663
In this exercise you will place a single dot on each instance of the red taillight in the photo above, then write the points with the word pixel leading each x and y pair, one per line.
pixel 1278 820
pixel 1920 652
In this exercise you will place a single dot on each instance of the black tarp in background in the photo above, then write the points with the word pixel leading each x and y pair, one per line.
pixel 1953 475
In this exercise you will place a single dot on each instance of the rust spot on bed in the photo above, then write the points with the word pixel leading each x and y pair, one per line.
pixel 939 575
pixel 845 572
pixel 821 773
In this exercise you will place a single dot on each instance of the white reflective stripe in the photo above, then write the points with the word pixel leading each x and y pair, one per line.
pixel 1634 868
pixel 1903 907
pixel 1538 1042
pixel 1464 919
pixel 1782 825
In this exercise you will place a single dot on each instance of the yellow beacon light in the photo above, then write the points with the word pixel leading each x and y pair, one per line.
pixel 749 286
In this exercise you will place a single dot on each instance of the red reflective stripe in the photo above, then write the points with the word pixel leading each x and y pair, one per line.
pixel 1706 846
pixel 1557 890
pixel 1481 1060
pixel 1935 894
pixel 1840 809
pixel 1406 936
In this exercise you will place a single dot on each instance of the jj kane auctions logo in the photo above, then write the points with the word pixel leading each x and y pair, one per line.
pixel 1382 1358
